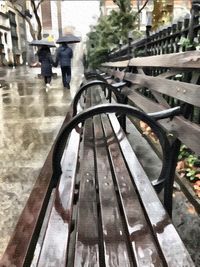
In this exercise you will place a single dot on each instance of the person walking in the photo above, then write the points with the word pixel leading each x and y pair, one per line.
pixel 64 56
pixel 46 61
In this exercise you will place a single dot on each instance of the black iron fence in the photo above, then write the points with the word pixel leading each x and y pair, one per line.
pixel 184 35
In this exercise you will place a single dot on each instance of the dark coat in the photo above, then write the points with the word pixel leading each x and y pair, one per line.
pixel 64 55
pixel 46 61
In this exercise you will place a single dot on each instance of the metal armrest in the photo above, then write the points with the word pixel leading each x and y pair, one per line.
pixel 118 85
pixel 167 113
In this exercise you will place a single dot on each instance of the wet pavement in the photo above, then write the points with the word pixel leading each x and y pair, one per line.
pixel 30 118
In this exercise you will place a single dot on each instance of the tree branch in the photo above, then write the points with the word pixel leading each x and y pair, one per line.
pixel 39 4
pixel 32 31
pixel 39 35
pixel 140 10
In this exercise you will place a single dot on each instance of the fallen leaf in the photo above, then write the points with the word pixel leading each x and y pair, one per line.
pixel 198 176
pixel 196 187
pixel 191 209
pixel 180 165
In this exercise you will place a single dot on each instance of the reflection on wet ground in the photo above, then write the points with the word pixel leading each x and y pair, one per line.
pixel 30 118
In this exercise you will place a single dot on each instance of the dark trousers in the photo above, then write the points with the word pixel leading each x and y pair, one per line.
pixel 47 79
pixel 66 75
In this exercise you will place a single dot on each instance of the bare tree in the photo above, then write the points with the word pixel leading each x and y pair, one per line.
pixel 36 33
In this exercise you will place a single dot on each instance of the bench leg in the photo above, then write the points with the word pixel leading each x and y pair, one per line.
pixel 168 190
pixel 122 118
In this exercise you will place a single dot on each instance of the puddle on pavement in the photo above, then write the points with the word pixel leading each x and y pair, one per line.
pixel 55 111
pixel 7 100
pixel 7 94
pixel 22 90
pixel 26 101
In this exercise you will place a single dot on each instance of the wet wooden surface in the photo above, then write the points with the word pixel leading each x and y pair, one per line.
pixel 54 247
pixel 189 59
pixel 87 234
pixel 140 236
pixel 164 232
pixel 186 92
pixel 188 132
pixel 119 219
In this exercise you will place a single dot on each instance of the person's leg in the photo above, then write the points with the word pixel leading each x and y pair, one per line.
pixel 49 79
pixel 68 69
pixel 64 72
pixel 45 79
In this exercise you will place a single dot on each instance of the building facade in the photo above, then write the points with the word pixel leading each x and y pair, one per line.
pixel 57 18
pixel 6 55
pixel 12 35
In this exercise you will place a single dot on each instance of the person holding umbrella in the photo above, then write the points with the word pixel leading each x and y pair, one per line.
pixel 46 61
pixel 64 56
pixel 45 58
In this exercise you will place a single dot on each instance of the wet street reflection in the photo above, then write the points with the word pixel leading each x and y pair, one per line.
pixel 30 118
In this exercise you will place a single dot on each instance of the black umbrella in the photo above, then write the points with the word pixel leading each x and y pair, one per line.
pixel 42 43
pixel 69 39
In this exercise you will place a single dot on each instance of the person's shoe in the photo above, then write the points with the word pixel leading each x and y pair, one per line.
pixel 48 85
pixel 68 86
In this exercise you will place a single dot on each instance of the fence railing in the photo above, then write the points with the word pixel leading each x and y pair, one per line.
pixel 184 35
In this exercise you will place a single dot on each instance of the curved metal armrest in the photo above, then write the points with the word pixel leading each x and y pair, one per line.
pixel 164 114
pixel 95 75
pixel 95 83
pixel 119 109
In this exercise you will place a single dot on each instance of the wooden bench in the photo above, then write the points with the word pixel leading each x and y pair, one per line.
pixel 159 76
pixel 164 81
pixel 96 206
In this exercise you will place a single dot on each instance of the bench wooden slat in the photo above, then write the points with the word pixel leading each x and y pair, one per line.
pixel 189 59
pixel 164 231
pixel 158 96
pixel 114 238
pixel 54 248
pixel 186 92
pixel 186 131
pixel 140 235
pixel 43 230
pixel 117 64
pixel 87 239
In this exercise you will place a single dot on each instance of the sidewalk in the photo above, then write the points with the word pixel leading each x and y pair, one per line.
pixel 30 118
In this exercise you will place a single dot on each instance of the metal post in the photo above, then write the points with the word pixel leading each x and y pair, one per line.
pixel 148 29
pixel 194 10
pixel 130 38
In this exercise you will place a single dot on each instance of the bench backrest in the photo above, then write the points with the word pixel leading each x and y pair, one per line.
pixel 161 81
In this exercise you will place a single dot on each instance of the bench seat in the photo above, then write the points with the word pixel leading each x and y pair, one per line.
pixel 104 210
pixel 119 219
